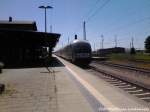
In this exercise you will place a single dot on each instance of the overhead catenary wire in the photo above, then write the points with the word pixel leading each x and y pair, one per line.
pixel 129 25
pixel 135 22
pixel 89 15
pixel 93 8
pixel 96 11
pixel 122 41
pixel 132 23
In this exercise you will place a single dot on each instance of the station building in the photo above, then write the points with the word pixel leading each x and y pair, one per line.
pixel 21 43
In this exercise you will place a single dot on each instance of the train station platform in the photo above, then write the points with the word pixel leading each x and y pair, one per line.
pixel 62 87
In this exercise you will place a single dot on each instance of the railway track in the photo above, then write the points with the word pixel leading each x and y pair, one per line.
pixel 127 67
pixel 127 85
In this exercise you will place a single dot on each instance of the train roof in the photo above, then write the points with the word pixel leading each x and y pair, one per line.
pixel 80 41
pixel 73 43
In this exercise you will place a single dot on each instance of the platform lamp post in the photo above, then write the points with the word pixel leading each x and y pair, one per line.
pixel 45 7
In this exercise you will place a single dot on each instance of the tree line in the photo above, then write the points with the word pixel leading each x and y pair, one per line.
pixel 147 44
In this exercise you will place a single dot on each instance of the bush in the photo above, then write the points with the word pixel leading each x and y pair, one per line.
pixel 147 44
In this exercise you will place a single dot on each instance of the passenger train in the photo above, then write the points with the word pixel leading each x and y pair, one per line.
pixel 78 52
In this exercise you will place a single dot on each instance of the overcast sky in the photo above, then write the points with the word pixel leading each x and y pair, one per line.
pixel 122 19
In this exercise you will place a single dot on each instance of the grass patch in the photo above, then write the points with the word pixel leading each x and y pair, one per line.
pixel 144 57
pixel 128 57
pixel 137 60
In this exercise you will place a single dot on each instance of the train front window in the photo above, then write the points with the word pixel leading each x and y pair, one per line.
pixel 83 48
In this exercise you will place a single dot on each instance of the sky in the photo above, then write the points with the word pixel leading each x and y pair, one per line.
pixel 119 20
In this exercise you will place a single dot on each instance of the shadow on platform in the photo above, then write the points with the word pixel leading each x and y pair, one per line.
pixel 53 62
pixel 84 67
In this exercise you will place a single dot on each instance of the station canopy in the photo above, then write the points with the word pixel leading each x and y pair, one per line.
pixel 26 38
pixel 20 42
pixel 24 33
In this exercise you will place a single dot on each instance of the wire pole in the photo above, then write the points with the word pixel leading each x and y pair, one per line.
pixel 84 31
pixel 68 40
pixel 132 45
pixel 100 45
pixel 115 40
pixel 45 21
pixel 62 44
pixel 102 36
pixel 94 46
pixel 51 29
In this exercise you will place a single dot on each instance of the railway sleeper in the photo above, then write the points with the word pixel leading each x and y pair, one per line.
pixel 136 69
pixel 130 86
pixel 134 82
pixel 143 94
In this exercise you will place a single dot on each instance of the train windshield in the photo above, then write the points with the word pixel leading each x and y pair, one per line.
pixel 82 48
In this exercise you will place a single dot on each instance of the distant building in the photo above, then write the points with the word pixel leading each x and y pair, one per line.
pixel 105 52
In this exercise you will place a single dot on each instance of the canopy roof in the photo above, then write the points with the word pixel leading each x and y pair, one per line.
pixel 18 25
pixel 27 38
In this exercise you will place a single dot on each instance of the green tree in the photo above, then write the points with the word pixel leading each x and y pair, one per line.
pixel 147 44
pixel 132 50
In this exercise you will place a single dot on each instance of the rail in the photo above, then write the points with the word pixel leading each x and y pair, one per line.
pixel 133 68
pixel 127 81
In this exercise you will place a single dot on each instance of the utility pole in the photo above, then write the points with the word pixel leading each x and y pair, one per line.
pixel 45 8
pixel 99 45
pixel 132 51
pixel 62 44
pixel 102 37
pixel 68 40
pixel 84 31
pixel 115 40
pixel 94 46
pixel 132 45
pixel 51 29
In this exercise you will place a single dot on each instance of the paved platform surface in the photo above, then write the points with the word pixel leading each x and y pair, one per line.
pixel 28 90
pixel 112 98
pixel 62 89
pixel 37 90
